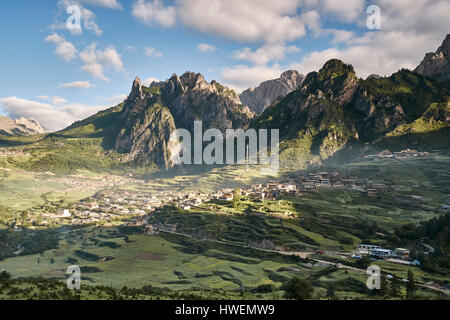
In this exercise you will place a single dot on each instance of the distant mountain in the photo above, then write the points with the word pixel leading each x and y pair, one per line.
pixel 437 65
pixel 259 98
pixel 20 127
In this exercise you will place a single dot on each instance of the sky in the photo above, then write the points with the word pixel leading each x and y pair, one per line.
pixel 63 60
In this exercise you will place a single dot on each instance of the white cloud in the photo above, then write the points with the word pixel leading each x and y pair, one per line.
pixel 205 48
pixel 252 20
pixel 147 82
pixel 409 30
pixel 90 21
pixel 341 36
pixel 384 54
pixel 340 10
pixel 96 61
pixel 111 4
pixel 154 12
pixel 244 77
pixel 57 101
pixel 64 49
pixel 55 38
pixel 265 54
pixel 117 99
pixel 50 116
pixel 130 48
pixel 78 85
pixel 88 18
pixel 152 52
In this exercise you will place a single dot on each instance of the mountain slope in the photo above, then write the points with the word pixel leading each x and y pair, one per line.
pixel 333 109
pixel 20 127
pixel 259 98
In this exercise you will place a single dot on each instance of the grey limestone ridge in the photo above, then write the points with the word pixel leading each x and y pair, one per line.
pixel 437 64
pixel 259 98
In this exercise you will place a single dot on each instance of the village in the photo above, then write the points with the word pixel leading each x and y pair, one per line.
pixel 114 205
pixel 404 154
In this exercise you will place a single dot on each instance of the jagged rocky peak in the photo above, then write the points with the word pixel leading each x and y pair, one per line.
pixel 290 75
pixel 20 127
pixel 336 78
pixel 150 116
pixel 437 64
pixel 373 76
pixel 335 68
pixel 136 90
pixel 259 98
pixel 194 81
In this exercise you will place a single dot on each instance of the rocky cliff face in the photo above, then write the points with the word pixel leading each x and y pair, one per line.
pixel 151 114
pixel 437 65
pixel 20 127
pixel 145 128
pixel 259 98
pixel 191 98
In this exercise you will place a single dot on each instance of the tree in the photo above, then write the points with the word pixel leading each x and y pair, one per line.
pixel 331 290
pixel 395 286
pixel 384 288
pixel 5 277
pixel 411 286
pixel 363 263
pixel 298 289
pixel 236 197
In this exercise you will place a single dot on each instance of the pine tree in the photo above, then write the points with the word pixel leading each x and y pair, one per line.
pixel 331 290
pixel 411 286
pixel 384 287
pixel 395 286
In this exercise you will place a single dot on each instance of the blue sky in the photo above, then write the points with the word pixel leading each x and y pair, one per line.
pixel 57 75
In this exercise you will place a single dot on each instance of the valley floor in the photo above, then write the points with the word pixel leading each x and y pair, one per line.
pixel 245 248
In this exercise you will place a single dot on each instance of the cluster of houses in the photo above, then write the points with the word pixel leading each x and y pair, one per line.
pixel 154 229
pixel 374 252
pixel 115 204
pixel 408 153
pixel 298 185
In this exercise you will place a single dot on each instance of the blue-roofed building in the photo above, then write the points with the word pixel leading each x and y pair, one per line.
pixel 380 254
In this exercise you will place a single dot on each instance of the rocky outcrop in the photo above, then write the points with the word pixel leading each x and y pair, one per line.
pixel 438 112
pixel 437 65
pixel 191 98
pixel 145 127
pixel 20 127
pixel 151 114
pixel 259 98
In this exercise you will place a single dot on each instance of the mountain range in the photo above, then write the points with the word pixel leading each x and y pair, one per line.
pixel 319 115
pixel 20 127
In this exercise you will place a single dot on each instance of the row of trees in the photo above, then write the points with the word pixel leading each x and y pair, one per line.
pixel 392 289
